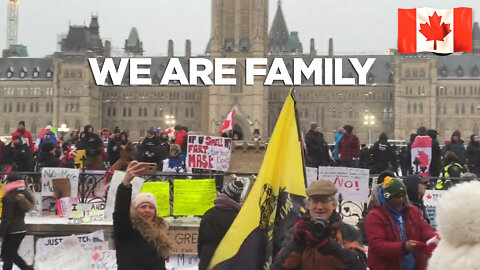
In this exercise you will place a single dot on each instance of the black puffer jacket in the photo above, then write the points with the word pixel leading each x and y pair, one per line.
pixel 14 206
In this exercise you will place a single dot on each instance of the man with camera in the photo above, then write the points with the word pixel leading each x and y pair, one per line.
pixel 319 239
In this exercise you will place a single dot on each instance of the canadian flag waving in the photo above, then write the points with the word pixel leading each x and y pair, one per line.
pixel 434 30
pixel 228 123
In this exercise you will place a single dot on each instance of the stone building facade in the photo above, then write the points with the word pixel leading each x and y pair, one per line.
pixel 403 92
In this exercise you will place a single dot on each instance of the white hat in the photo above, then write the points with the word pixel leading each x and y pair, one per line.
pixel 48 127
pixel 144 198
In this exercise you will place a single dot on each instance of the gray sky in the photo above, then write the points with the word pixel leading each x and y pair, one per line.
pixel 357 26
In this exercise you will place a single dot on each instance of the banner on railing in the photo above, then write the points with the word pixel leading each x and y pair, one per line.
pixel 193 197
pixel 208 152
pixel 352 183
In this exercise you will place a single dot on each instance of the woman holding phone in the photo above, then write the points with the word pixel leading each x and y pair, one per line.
pixel 140 235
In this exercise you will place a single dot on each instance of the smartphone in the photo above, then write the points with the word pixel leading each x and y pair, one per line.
pixel 149 168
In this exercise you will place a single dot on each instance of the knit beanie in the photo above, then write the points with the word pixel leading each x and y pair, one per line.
pixel 234 190
pixel 18 184
pixel 393 186
pixel 144 198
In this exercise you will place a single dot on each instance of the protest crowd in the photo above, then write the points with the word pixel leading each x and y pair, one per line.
pixel 394 231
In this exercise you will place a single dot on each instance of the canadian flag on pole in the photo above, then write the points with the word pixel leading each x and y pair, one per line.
pixel 434 30
pixel 228 123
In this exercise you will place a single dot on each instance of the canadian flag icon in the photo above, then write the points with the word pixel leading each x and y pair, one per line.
pixel 435 30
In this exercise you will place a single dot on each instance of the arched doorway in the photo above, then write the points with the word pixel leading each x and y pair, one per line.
pixel 241 127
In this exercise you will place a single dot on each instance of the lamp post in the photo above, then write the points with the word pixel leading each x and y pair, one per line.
pixel 369 121
pixel 63 129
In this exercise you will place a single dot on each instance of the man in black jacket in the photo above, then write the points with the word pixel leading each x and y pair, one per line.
pixel 150 149
pixel 93 146
pixel 18 155
pixel 317 148
pixel 216 222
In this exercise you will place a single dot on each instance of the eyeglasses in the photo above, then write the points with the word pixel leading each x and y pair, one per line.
pixel 321 199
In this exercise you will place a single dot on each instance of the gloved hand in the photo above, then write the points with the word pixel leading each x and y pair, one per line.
pixel 302 232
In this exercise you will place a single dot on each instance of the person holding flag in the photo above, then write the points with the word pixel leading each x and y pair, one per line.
pixel 320 237
pixel 228 123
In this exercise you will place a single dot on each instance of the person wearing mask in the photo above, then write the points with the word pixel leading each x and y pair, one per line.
pixel 26 135
pixel 416 187
pixel 140 235
pixel 349 147
pixel 473 154
pixel 18 155
pixel 383 154
pixel 396 232
pixel 456 145
pixel 16 201
pixel 320 239
pixel 317 148
pixel 175 161
pixel 216 222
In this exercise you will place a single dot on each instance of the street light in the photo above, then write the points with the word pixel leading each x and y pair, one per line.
pixel 170 120
pixel 63 129
pixel 369 121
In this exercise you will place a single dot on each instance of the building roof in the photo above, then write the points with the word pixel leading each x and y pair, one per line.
pixel 133 38
pixel 18 50
pixel 294 45
pixel 459 67
pixel 13 68
pixel 82 38
pixel 278 36
pixel 476 32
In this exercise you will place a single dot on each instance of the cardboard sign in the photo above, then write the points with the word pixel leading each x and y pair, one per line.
pixel 117 178
pixel 432 197
pixel 208 152
pixel 352 183
pixel 184 240
pixel 60 182
pixel 161 191
pixel 193 197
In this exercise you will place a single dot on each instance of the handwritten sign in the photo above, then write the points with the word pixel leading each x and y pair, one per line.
pixel 182 261
pixel 193 197
pixel 432 197
pixel 104 260
pixel 161 191
pixel 51 174
pixel 184 240
pixel 117 178
pixel 46 244
pixel 208 152
pixel 352 183
pixel 68 253
pixel 87 212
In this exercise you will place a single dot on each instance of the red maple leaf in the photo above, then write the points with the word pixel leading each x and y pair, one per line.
pixel 436 30
pixel 429 196
pixel 423 158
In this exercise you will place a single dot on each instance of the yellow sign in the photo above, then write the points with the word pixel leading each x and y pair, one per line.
pixel 78 159
pixel 193 197
pixel 161 191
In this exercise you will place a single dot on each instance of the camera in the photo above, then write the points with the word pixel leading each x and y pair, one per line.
pixel 320 227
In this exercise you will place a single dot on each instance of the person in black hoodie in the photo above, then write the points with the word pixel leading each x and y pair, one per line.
pixel 416 186
pixel 93 146
pixel 47 157
pixel 436 163
pixel 18 155
pixel 149 150
pixel 16 202
pixel 473 155
pixel 216 222
pixel 141 240
pixel 456 145
pixel 383 154
pixel 317 148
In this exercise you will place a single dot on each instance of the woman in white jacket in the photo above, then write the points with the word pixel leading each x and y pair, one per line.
pixel 458 224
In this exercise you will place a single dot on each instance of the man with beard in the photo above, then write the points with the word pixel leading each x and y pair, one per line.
pixel 26 136
pixel 93 146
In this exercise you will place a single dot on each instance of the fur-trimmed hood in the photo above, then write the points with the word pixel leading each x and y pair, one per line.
pixel 155 233
pixel 458 225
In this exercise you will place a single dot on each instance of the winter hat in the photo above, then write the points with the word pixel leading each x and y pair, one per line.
pixel 234 189
pixel 144 198
pixel 151 131
pixel 321 188
pixel 86 128
pixel 422 131
pixel 49 127
pixel 48 146
pixel 382 175
pixel 21 123
pixel 393 186
pixel 313 125
pixel 456 133
pixel 18 184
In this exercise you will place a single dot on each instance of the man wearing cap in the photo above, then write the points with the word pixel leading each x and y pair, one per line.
pixel 396 232
pixel 26 136
pixel 320 240
pixel 216 221
pixel 317 148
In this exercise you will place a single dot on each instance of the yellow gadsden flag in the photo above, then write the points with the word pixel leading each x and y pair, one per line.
pixel 273 203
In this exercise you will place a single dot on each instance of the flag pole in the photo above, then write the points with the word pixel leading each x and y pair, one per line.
pixel 292 93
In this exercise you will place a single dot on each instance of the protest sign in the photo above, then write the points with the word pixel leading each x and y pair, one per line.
pixel 161 191
pixel 65 184
pixel 87 212
pixel 47 244
pixel 352 183
pixel 432 216
pixel 104 260
pixel 80 155
pixel 312 174
pixel 182 261
pixel 117 178
pixel 193 197
pixel 208 152
pixel 184 240
pixel 69 254
pixel 432 197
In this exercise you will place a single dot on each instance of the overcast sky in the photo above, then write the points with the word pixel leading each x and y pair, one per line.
pixel 357 26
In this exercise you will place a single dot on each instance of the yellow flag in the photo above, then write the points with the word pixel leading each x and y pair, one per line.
pixel 273 203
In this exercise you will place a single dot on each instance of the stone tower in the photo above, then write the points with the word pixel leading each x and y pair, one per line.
pixel 239 30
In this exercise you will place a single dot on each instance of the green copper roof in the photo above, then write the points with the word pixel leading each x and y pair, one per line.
pixel 18 50
pixel 133 38
pixel 294 45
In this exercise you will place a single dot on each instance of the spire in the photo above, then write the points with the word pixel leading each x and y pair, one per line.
pixel 476 32
pixel 279 34
pixel 133 45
